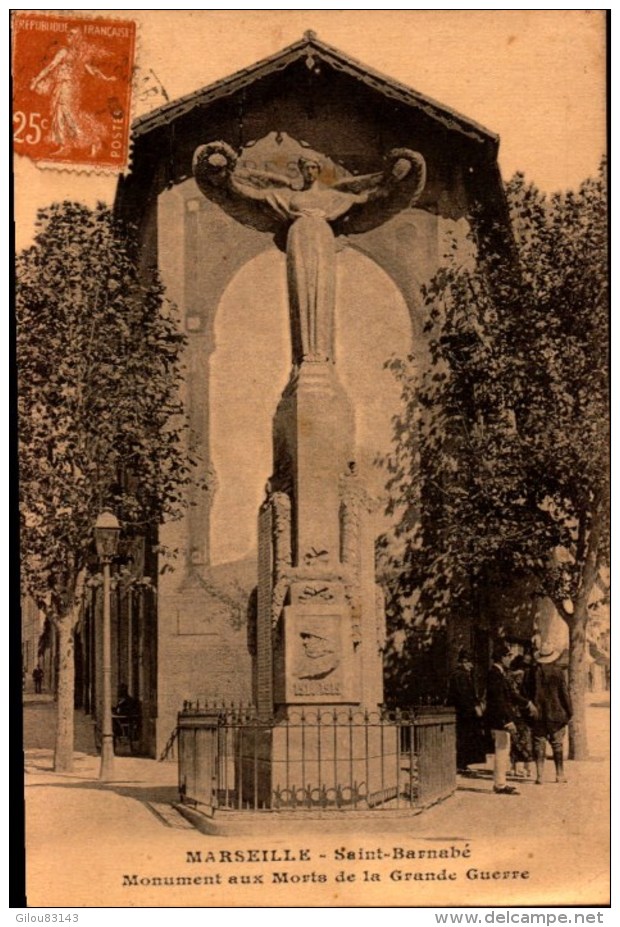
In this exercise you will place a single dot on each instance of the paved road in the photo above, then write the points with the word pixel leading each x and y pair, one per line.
pixel 86 839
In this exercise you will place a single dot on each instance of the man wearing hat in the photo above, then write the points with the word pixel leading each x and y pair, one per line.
pixel 462 694
pixel 502 705
pixel 554 710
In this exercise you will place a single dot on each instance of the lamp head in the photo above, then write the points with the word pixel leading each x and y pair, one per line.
pixel 107 531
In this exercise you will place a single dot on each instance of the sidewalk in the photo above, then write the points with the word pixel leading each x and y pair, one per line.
pixel 146 779
pixel 80 830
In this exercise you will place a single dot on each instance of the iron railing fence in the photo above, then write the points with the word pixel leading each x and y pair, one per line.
pixel 315 759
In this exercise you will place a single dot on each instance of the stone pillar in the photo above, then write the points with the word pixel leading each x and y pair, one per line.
pixel 319 614
pixel 263 656
pixel 313 445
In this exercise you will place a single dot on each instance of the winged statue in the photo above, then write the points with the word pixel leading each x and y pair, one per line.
pixel 311 213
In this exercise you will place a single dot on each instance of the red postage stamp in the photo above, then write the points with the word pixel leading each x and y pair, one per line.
pixel 72 89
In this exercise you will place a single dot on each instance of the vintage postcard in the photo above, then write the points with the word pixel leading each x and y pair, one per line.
pixel 312 328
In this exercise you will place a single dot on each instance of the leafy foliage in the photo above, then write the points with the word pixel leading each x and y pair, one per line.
pixel 101 424
pixel 500 459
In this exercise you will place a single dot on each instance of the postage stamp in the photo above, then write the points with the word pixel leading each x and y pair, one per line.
pixel 72 90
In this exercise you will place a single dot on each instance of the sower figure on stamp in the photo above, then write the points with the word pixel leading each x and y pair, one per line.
pixel 554 709
pixel 502 704
pixel 72 127
pixel 308 210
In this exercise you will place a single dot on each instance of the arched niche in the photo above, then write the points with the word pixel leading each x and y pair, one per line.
pixel 249 367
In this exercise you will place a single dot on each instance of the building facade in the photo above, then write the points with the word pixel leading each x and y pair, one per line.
pixel 185 635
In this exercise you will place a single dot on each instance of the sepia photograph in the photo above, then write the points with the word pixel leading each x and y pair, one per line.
pixel 312 359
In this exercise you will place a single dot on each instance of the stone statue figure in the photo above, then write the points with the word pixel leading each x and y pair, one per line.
pixel 309 211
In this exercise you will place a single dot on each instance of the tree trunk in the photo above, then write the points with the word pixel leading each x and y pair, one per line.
pixel 577 681
pixel 578 625
pixel 63 753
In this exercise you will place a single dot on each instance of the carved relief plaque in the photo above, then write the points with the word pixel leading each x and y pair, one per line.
pixel 318 655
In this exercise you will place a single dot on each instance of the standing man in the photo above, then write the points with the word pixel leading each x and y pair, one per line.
pixel 502 705
pixel 463 696
pixel 37 678
pixel 554 711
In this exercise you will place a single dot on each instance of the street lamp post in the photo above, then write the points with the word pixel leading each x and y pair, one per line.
pixel 107 530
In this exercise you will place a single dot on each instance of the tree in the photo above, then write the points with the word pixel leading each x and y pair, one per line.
pixel 500 460
pixel 101 424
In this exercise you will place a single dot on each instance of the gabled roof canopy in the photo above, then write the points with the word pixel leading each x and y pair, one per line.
pixel 313 51
pixel 322 98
